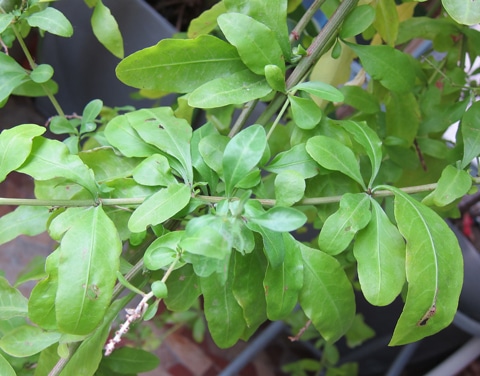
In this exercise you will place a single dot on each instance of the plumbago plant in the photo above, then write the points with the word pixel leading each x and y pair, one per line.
pixel 145 201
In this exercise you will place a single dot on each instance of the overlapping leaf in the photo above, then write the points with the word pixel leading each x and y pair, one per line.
pixel 380 253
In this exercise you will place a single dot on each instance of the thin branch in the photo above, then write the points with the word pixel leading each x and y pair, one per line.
pixel 306 18
pixel 242 118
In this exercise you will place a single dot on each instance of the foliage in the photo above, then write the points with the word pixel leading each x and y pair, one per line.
pixel 140 199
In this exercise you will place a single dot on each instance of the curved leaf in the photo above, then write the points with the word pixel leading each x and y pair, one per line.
pixel 242 154
pixel 159 207
pixel 51 20
pixel 465 12
pixel 366 137
pixel 327 295
pixel 452 185
pixel 434 270
pixel 332 154
pixel 12 302
pixel 280 219
pixel 380 253
pixel 340 228
pixel 15 146
pixel 105 28
pixel 180 66
pixel 305 112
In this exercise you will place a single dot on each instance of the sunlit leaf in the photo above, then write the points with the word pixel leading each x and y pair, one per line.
pixel 296 159
pixel 465 12
pixel 255 42
pixel 289 188
pixel 340 228
pixel 51 20
pixel 434 267
pixel 380 253
pixel 105 28
pixel 242 154
pixel 280 219
pixel 321 90
pixel 357 21
pixel 180 66
pixel 27 340
pixel 159 207
pixel 332 154
pixel 24 220
pixel 386 21
pixel 305 112
pixel 12 302
pixel 15 146
pixel 331 303
pixel 452 185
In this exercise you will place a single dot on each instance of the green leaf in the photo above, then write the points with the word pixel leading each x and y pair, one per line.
pixel 208 236
pixel 275 77
pixel 289 188
pixel 42 73
pixel 88 262
pixel 305 112
pixel 327 296
pixel 357 21
pixel 11 76
pixel 5 21
pixel 154 171
pixel 380 253
pixel 89 114
pixel 452 185
pixel 52 21
pixel 280 219
pixel 282 282
pixel 159 289
pixel 41 305
pixel 463 11
pixel 434 270
pixel 470 127
pixel 271 13
pixel 120 132
pixel 211 149
pixel 163 251
pixel 388 65
pixel 5 367
pixel 223 313
pixel 242 154
pixel 24 220
pixel 32 271
pixel 184 289
pixel 296 159
pixel 255 42
pixel 15 146
pixel 366 137
pixel 86 359
pixel 358 333
pixel 321 90
pixel 159 207
pixel 105 28
pixel 50 159
pixel 273 242
pixel 360 99
pixel 247 287
pixel 128 360
pixel 206 173
pixel 386 21
pixel 60 125
pixel 171 136
pixel 206 22
pixel 340 228
pixel 12 302
pixel 27 340
pixel 403 116
pixel 237 88
pixel 180 66
pixel 333 155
